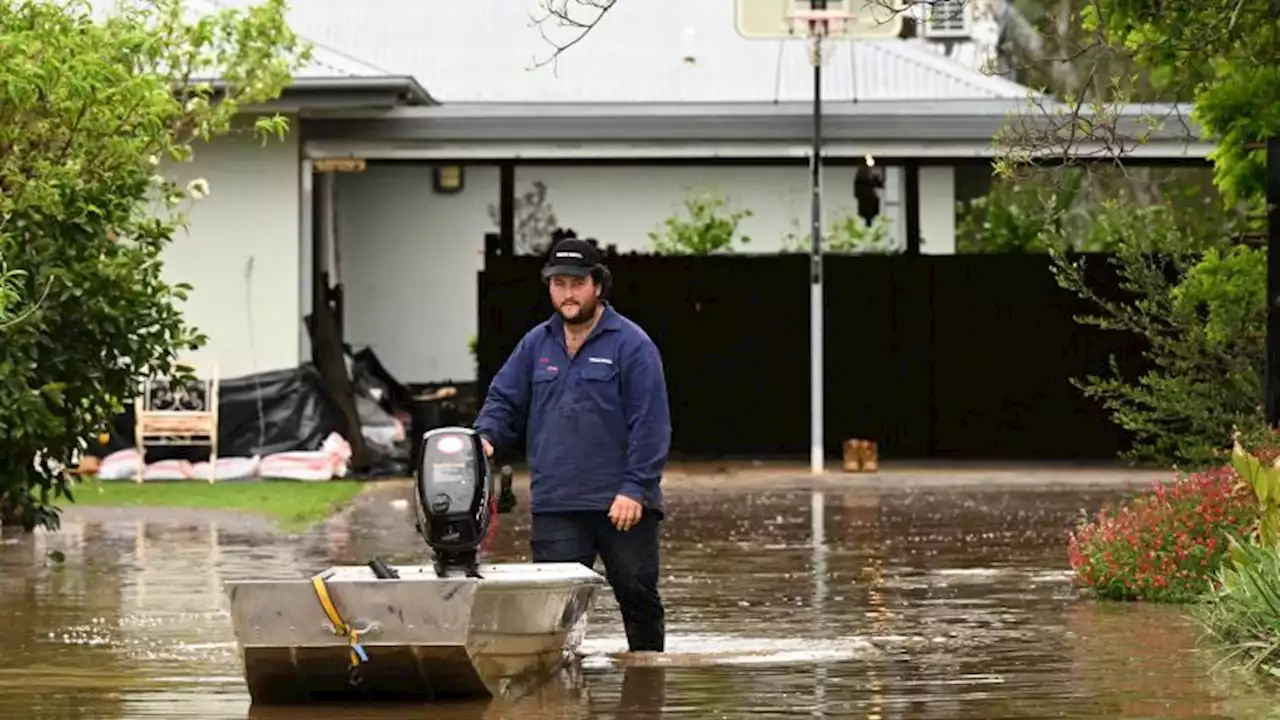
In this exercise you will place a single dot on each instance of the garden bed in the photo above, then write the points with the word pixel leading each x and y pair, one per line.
pixel 1210 539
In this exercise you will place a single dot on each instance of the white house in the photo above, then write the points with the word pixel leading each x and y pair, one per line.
pixel 662 97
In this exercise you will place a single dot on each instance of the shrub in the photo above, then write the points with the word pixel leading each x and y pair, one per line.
pixel 847 234
pixel 9 289
pixel 1243 615
pixel 1201 312
pixel 1191 295
pixel 710 227
pixel 1259 468
pixel 1166 545
pixel 97 108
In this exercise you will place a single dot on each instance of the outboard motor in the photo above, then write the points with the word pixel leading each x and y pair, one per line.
pixel 455 501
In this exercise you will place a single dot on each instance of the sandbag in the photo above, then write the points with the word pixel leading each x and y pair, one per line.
pixel 120 465
pixel 229 468
pixel 168 470
pixel 329 462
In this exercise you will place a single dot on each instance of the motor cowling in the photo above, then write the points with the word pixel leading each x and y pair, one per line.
pixel 455 501
pixel 452 493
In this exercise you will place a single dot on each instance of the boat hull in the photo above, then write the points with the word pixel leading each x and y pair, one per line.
pixel 424 636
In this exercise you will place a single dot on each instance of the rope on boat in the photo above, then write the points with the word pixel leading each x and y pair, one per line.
pixel 340 626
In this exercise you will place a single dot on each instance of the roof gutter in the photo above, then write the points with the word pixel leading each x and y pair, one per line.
pixel 407 86
pixel 306 94
pixel 749 122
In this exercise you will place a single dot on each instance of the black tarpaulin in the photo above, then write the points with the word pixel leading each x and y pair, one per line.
pixel 258 414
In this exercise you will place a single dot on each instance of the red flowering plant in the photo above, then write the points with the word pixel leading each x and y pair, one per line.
pixel 1166 545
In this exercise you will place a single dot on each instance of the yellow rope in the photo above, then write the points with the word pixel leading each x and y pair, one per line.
pixel 340 626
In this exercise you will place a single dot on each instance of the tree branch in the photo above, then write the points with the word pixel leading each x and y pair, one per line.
pixel 578 17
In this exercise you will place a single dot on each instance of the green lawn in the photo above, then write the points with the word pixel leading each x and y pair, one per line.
pixel 294 505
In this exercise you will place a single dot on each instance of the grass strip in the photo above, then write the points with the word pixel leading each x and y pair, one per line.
pixel 293 505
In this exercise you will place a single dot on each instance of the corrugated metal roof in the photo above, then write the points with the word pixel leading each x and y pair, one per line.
pixel 329 63
pixel 647 51
pixel 326 62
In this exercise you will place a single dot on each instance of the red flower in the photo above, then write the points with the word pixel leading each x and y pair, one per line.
pixel 1173 531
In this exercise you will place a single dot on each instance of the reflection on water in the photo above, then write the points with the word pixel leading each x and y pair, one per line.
pixel 921 604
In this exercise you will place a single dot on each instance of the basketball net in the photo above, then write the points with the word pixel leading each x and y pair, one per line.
pixel 819 27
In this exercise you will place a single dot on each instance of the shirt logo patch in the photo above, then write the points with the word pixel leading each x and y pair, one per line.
pixel 544 361
pixel 601 360
pixel 552 368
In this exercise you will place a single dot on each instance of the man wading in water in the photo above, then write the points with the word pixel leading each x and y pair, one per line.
pixel 590 387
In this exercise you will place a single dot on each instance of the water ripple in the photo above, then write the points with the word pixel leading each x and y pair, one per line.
pixel 933 603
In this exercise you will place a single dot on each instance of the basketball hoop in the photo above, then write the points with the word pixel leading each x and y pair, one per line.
pixel 818 23
pixel 836 20
pixel 844 19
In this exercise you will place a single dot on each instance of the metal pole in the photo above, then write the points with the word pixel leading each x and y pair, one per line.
pixel 816 380
pixel 306 240
pixel 1273 282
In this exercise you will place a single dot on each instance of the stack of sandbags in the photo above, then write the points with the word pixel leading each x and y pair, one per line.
pixel 328 462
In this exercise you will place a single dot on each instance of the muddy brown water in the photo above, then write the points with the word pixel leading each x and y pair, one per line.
pixel 930 603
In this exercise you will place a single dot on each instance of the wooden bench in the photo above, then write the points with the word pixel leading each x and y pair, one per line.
pixel 173 413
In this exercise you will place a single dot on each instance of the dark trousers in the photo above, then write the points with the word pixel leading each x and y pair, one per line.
pixel 630 561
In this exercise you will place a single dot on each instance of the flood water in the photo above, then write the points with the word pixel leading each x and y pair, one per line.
pixel 888 604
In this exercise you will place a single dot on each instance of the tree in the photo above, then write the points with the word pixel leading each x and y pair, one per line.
pixel 1225 56
pixel 9 288
pixel 92 109
pixel 1194 284
pixel 535 220
pixel 576 17
pixel 1197 301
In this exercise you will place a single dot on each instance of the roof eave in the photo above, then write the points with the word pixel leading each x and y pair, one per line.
pixel 405 87
pixel 350 93
pixel 957 120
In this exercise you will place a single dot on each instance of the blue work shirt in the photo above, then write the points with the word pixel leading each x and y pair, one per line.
pixel 598 424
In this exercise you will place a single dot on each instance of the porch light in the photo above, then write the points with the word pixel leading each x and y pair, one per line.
pixel 447 179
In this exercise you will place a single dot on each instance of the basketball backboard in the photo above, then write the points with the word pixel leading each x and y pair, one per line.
pixel 773 19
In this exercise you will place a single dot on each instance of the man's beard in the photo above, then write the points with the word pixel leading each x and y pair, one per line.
pixel 584 313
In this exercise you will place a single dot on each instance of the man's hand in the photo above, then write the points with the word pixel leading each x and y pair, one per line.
pixel 625 512
pixel 488 447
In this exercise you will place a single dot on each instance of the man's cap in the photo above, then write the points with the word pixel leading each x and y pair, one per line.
pixel 571 256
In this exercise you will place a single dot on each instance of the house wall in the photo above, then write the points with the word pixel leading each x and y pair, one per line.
pixel 937 210
pixel 409 256
pixel 408 265
pixel 622 205
pixel 240 254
